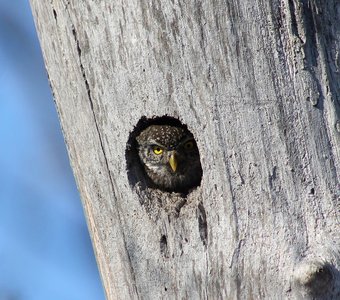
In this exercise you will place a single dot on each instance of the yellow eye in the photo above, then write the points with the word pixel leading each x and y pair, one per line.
pixel 189 145
pixel 157 150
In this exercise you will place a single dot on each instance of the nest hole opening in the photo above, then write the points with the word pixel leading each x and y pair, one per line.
pixel 136 168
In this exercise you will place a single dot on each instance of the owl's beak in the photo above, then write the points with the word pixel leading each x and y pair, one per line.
pixel 173 161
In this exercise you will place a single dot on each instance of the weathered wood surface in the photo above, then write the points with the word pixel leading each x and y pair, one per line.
pixel 257 82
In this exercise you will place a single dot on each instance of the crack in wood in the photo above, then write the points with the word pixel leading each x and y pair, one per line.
pixel 164 246
pixel 202 223
pixel 295 29
pixel 55 14
pixel 83 71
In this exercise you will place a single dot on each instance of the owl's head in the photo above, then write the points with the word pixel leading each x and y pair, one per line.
pixel 170 157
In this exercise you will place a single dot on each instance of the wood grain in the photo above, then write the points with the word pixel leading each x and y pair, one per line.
pixel 257 82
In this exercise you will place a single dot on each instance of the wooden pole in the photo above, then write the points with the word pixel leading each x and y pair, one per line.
pixel 257 83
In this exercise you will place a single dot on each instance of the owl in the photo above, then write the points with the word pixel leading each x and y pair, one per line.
pixel 170 157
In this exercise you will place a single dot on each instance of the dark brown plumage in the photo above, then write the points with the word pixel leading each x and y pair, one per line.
pixel 170 157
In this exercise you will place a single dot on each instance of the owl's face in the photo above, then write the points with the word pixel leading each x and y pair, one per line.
pixel 170 157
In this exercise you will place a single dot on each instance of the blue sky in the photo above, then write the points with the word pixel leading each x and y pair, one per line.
pixel 45 249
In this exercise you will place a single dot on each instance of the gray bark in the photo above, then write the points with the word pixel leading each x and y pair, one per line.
pixel 257 83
